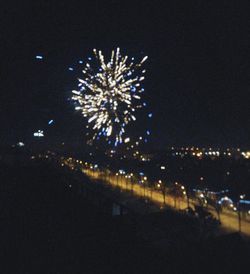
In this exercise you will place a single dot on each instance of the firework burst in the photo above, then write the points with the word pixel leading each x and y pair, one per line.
pixel 109 95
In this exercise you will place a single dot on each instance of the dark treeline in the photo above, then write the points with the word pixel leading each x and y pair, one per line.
pixel 47 227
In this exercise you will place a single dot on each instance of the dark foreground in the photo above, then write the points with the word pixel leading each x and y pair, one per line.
pixel 47 227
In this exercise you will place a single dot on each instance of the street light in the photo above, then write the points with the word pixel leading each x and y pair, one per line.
pixel 239 216
pixel 127 177
pixel 132 181
pixel 117 178
pixel 143 183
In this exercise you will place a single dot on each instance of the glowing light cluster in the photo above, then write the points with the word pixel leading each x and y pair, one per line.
pixel 109 94
pixel 246 154
pixel 39 133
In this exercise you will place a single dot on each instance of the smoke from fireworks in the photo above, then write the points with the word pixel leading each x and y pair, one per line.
pixel 109 94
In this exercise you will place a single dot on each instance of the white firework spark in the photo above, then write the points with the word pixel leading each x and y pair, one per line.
pixel 109 94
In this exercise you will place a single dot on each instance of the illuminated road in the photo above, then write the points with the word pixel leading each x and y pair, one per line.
pixel 229 220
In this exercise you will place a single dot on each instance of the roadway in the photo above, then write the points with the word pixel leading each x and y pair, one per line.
pixel 229 220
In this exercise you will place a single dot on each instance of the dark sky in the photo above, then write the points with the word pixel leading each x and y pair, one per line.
pixel 197 74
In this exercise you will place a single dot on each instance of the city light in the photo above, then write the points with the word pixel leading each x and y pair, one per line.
pixel 39 133
pixel 40 57
pixel 201 196
pixel 20 144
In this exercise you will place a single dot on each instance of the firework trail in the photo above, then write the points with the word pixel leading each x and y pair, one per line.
pixel 109 95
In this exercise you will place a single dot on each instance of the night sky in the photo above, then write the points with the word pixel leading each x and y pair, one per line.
pixel 198 73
